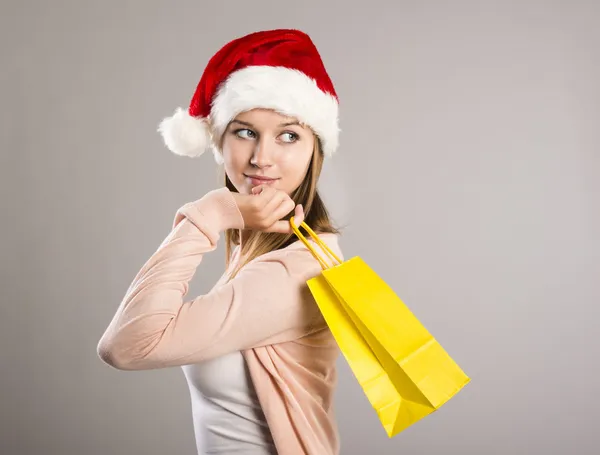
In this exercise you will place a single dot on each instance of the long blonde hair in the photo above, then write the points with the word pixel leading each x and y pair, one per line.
pixel 315 213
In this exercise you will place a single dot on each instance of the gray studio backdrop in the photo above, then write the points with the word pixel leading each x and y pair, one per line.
pixel 468 177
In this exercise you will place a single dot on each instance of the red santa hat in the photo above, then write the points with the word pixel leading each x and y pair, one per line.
pixel 274 69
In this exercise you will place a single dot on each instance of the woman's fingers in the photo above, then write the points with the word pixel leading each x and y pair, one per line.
pixel 283 226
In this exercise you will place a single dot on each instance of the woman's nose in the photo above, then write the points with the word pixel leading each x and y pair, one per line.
pixel 263 154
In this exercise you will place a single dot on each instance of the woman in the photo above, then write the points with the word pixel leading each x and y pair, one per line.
pixel 256 351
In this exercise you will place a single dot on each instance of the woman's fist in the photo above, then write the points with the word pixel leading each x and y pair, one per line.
pixel 264 209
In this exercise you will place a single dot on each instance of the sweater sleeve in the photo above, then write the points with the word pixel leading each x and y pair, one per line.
pixel 267 302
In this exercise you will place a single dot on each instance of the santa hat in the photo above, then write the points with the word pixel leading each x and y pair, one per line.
pixel 274 69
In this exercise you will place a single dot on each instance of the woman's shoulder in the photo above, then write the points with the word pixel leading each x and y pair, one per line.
pixel 302 259
pixel 299 261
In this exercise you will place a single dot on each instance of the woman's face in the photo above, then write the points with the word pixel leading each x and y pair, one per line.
pixel 263 147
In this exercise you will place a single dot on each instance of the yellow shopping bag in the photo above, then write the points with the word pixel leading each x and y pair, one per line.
pixel 404 372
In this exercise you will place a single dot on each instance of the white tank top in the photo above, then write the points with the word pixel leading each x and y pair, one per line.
pixel 228 418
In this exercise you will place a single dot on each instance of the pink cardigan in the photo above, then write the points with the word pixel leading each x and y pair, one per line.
pixel 266 312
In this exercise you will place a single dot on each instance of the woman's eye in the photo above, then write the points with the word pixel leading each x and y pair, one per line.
pixel 289 137
pixel 245 134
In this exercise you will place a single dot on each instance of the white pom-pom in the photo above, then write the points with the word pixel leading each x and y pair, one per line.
pixel 185 135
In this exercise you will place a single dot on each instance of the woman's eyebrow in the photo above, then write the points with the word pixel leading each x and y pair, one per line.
pixel 243 123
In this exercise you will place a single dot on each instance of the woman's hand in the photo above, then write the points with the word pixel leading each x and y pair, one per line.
pixel 264 209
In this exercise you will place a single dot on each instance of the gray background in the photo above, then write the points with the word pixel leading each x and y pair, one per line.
pixel 468 177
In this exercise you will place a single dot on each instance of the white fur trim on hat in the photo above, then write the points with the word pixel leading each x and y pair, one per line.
pixel 287 91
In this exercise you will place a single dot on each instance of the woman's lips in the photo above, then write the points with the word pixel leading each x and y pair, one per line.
pixel 256 180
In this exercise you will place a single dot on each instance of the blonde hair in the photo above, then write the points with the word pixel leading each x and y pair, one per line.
pixel 315 215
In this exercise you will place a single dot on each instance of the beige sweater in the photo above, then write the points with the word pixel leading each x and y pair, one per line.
pixel 266 312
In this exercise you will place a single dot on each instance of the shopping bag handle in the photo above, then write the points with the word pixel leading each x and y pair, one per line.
pixel 317 240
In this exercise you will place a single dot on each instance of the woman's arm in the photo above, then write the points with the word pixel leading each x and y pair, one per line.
pixel 267 302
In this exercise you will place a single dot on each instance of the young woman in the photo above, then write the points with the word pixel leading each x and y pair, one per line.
pixel 256 352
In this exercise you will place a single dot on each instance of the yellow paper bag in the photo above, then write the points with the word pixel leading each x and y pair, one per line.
pixel 404 372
